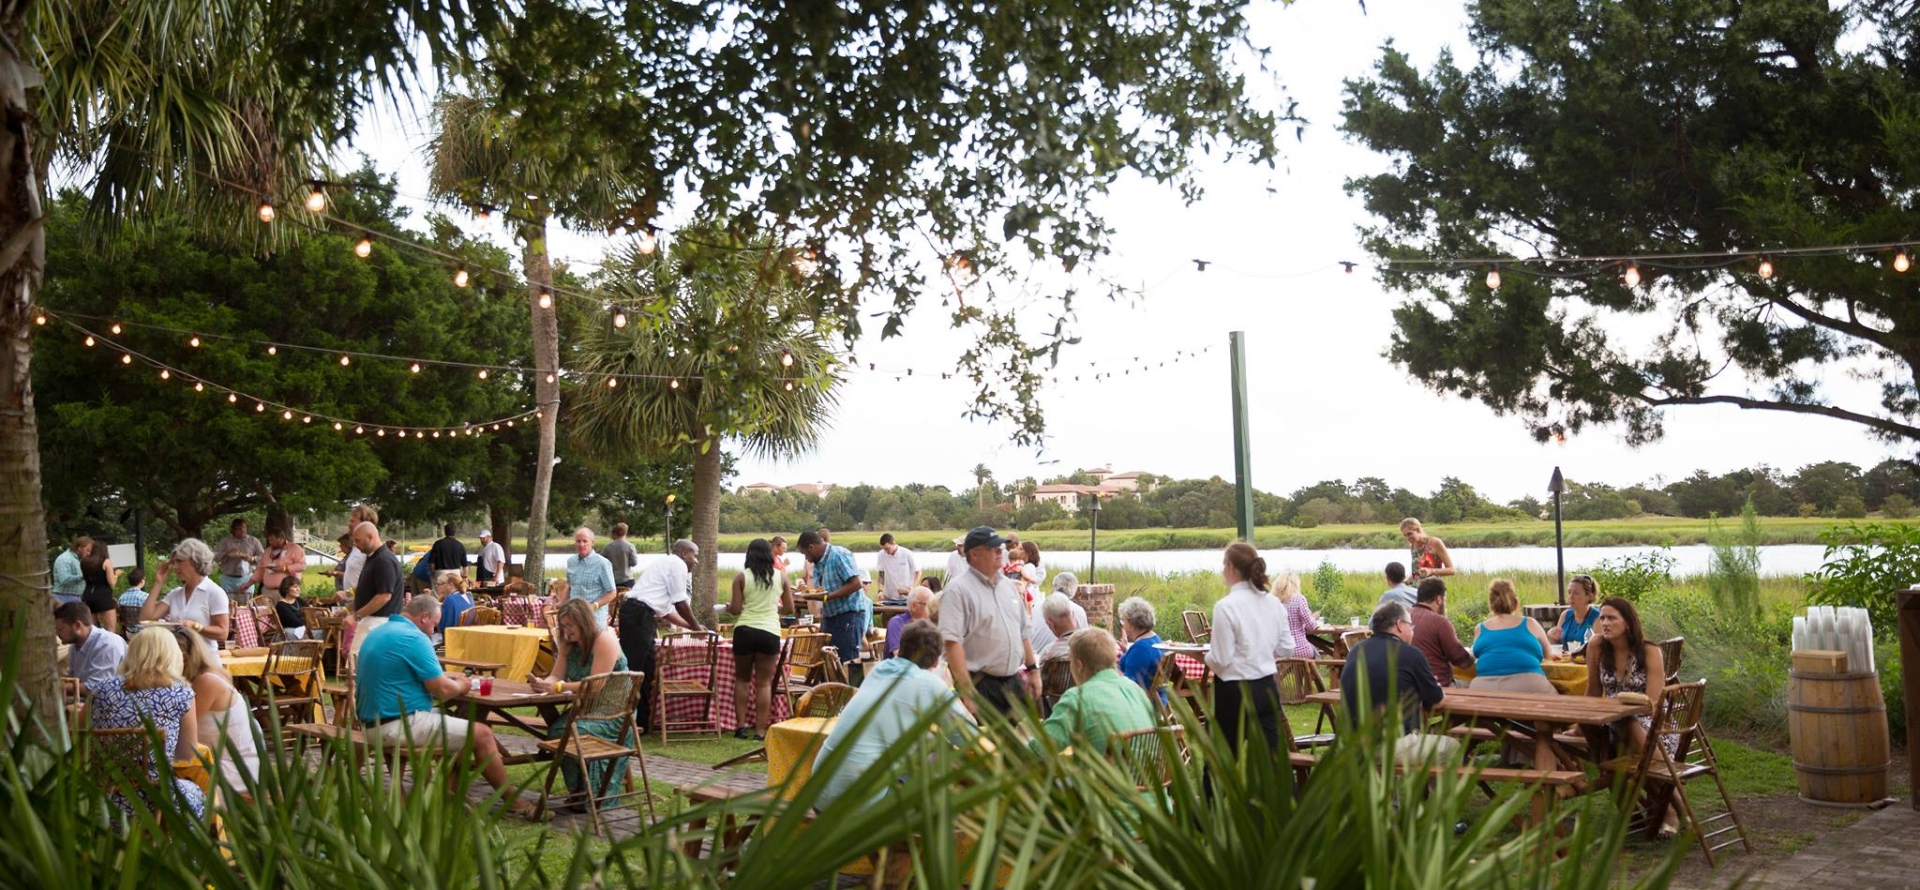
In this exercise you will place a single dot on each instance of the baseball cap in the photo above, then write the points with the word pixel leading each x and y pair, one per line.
pixel 983 536
pixel 485 534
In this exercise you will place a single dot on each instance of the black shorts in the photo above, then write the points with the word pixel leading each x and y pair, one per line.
pixel 99 599
pixel 754 641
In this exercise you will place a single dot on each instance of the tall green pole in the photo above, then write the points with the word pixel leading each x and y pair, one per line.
pixel 1242 441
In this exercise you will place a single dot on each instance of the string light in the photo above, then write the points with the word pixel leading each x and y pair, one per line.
pixel 380 432
pixel 1901 263
pixel 260 407
pixel 1632 276
pixel 194 341
pixel 165 374
pixel 363 248
pixel 199 387
pixel 646 242
pixel 460 277
pixel 264 211
pixel 1493 278
pixel 126 359
pixel 789 386
pixel 273 350
pixel 619 318
pixel 286 415
pixel 345 361
pixel 673 384
pixel 549 376
pixel 546 299
pixel 116 329
pixel 1766 268
pixel 306 418
pixel 358 429
pixel 786 359
pixel 89 340
pixel 613 382
pixel 483 373
pixel 337 426
pixel 40 319
pixel 415 367
pixel 232 398
pixel 316 199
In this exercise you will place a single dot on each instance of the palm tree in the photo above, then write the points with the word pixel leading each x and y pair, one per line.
pixel 726 356
pixel 480 158
pixel 980 476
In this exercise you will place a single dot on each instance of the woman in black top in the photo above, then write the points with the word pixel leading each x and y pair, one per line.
pixel 288 608
pixel 97 571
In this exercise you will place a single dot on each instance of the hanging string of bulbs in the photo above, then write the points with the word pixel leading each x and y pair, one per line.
pixel 289 412
pixel 1635 269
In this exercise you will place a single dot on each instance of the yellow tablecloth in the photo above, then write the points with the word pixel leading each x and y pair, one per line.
pixel 514 647
pixel 1569 678
pixel 256 665
pixel 791 747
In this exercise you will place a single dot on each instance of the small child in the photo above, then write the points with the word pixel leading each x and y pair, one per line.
pixel 292 620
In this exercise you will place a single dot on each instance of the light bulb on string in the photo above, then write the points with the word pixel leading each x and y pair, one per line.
pixel 415 367
pixel 1632 275
pixel 619 318
pixel 358 429
pixel 306 418
pixel 786 359
pixel 338 426
pixel 89 340
pixel 546 299
pixel 126 359
pixel 345 361
pixel 199 387
pixel 259 407
pixel 1766 268
pixel 40 319
pixel 363 248
pixel 194 341
pixel 646 242
pixel 483 373
pixel 673 384
pixel 264 211
pixel 1493 278
pixel 613 382
pixel 232 399
pixel 401 433
pixel 380 432
pixel 436 434
pixel 1901 263
pixel 460 277
pixel 316 199
pixel 789 386
pixel 273 350
pixel 286 415
pixel 115 329
pixel 549 378
pixel 166 374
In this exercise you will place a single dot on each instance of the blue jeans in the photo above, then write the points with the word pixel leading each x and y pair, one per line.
pixel 846 631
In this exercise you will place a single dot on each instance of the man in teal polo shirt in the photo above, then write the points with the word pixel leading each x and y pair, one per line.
pixel 398 678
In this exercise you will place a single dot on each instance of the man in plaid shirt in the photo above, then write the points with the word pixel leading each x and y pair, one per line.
pixel 845 611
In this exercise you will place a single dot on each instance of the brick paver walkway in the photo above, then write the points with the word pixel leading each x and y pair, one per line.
pixel 1881 852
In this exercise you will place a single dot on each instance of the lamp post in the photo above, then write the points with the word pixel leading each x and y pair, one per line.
pixel 1093 552
pixel 1556 486
pixel 669 533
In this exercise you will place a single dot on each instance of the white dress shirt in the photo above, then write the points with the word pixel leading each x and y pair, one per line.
pixel 350 569
pixel 1249 633
pixel 897 570
pixel 661 584
pixel 206 601
pixel 956 566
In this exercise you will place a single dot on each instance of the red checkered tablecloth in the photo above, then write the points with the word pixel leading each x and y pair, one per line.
pixel 1191 666
pixel 690 708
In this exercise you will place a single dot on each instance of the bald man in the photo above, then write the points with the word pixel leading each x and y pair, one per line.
pixel 377 597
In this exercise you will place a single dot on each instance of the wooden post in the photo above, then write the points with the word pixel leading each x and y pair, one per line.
pixel 1242 442
pixel 1909 630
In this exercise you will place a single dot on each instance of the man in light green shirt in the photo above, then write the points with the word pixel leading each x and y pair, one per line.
pixel 1102 702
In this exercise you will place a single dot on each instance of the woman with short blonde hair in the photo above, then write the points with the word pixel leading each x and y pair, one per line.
pixel 148 689
pixel 1508 648
pixel 223 720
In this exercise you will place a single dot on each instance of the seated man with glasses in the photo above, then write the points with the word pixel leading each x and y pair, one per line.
pixel 1387 677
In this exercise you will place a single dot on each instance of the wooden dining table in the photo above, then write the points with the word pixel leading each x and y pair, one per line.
pixel 1538 716
pixel 497 709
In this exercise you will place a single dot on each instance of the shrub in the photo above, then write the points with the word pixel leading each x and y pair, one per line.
pixel 1327 580
pixel 1863 561
pixel 1850 506
pixel 1636 575
pixel 1733 570
pixel 1896 506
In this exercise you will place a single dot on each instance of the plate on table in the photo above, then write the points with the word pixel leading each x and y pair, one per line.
pixel 1195 648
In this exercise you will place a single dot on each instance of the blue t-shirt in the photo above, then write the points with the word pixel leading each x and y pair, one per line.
pixel 1572 631
pixel 1500 653
pixel 395 664
pixel 1141 660
pixel 455 605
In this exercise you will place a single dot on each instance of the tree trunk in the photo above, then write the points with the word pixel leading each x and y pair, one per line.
pixel 706 529
pixel 546 393
pixel 26 599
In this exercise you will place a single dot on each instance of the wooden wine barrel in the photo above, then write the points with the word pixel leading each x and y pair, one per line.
pixel 1097 599
pixel 1838 725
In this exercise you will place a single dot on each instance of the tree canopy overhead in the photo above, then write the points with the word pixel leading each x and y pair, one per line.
pixel 1607 129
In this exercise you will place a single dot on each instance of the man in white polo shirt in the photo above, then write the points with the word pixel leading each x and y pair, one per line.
pixel 899 570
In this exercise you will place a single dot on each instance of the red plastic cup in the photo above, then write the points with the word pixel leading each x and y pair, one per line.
pixel 486 685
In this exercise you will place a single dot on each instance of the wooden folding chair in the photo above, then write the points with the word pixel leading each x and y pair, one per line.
pixel 268 620
pixel 1351 639
pixel 1056 677
pixel 124 759
pixel 1658 779
pixel 1296 677
pixel 1172 680
pixel 481 616
pixel 1198 629
pixel 803 663
pixel 246 627
pixel 824 700
pixel 1149 756
pixel 1307 672
pixel 129 617
pixel 290 685
pixel 1671 653
pixel 610 697
pixel 688 669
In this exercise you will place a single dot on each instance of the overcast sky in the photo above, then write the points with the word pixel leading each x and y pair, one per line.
pixel 1325 403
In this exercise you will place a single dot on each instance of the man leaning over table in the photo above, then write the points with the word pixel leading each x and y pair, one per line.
pixel 398 680
pixel 377 597
pixel 659 594
pixel 983 619
pixel 1387 676
pixel 590 575
pixel 845 610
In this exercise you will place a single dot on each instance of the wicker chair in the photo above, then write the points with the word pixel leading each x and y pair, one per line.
pixel 1056 677
pixel 611 696
pixel 1149 756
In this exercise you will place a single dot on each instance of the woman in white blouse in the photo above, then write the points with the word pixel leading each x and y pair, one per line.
pixel 1249 634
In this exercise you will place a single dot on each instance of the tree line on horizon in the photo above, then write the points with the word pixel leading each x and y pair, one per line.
pixel 1834 489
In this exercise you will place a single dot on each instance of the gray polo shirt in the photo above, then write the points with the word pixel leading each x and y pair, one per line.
pixel 96 658
pixel 988 617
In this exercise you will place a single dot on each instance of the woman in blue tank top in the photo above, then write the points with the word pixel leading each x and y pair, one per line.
pixel 1508 647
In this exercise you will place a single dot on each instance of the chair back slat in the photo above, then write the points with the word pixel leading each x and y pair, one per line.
pixel 609 696
pixel 1056 677
pixel 1147 756
pixel 1672 652
pixel 1198 631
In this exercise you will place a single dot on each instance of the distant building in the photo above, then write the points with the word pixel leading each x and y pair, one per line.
pixel 1128 481
pixel 817 489
pixel 760 488
pixel 1099 474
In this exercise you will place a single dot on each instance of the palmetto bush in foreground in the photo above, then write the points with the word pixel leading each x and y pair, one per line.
pixel 977 814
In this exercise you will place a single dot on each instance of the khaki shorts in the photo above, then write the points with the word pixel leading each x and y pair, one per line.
pixel 424 729
pixel 363 627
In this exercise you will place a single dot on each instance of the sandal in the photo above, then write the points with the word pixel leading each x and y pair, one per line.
pixel 742 733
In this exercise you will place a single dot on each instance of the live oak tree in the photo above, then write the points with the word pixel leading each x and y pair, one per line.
pixel 1602 129
pixel 190 456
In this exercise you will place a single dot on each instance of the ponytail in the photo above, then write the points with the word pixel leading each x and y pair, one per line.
pixel 1249 563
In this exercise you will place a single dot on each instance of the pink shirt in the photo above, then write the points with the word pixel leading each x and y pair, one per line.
pixel 1300 620
pixel 289 559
